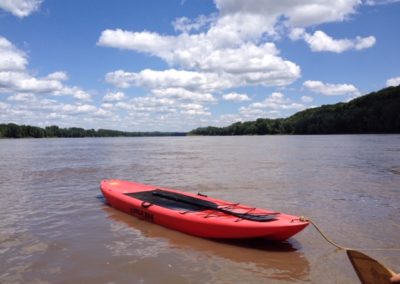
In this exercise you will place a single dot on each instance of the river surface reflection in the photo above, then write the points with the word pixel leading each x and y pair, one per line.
pixel 54 227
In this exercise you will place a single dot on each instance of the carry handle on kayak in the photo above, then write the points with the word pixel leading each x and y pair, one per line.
pixel 213 206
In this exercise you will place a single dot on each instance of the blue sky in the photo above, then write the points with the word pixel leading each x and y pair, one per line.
pixel 177 65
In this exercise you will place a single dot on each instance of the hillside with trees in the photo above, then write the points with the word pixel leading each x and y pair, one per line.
pixel 377 112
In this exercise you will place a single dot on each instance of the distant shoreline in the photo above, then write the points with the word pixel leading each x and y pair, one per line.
pixel 225 136
pixel 375 113
pixel 12 130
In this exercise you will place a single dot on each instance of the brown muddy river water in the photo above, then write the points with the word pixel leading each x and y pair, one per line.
pixel 55 228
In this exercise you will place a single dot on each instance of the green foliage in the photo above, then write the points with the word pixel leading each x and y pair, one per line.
pixel 378 112
pixel 12 130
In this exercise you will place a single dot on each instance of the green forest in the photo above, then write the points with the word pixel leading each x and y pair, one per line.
pixel 12 130
pixel 377 112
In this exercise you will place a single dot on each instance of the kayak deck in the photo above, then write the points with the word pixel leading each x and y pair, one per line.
pixel 198 214
pixel 179 201
pixel 152 197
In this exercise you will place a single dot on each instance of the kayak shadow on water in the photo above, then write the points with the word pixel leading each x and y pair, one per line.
pixel 262 244
pixel 280 260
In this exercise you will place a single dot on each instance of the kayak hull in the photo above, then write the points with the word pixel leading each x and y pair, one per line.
pixel 202 223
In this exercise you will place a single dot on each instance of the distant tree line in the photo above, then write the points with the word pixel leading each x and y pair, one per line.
pixel 12 130
pixel 377 112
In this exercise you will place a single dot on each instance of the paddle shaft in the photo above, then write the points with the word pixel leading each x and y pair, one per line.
pixel 213 206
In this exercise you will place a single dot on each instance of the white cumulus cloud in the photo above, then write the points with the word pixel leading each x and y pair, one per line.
pixel 236 97
pixel 247 62
pixel 59 76
pixel 393 82
pixel 320 41
pixel 277 101
pixel 15 78
pixel 187 25
pixel 183 94
pixel 75 92
pixel 194 109
pixel 170 79
pixel 331 89
pixel 297 13
pixel 272 106
pixel 11 59
pixel 20 8
pixel 114 96
pixel 11 81
pixel 78 109
pixel 22 97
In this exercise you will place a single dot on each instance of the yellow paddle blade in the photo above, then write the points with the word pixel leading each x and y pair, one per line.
pixel 368 269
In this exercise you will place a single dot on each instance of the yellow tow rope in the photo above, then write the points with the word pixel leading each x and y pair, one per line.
pixel 368 269
pixel 304 219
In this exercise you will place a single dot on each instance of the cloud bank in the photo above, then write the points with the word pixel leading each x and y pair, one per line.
pixel 234 48
pixel 211 59
pixel 33 98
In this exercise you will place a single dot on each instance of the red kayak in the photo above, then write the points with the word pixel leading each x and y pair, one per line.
pixel 197 214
